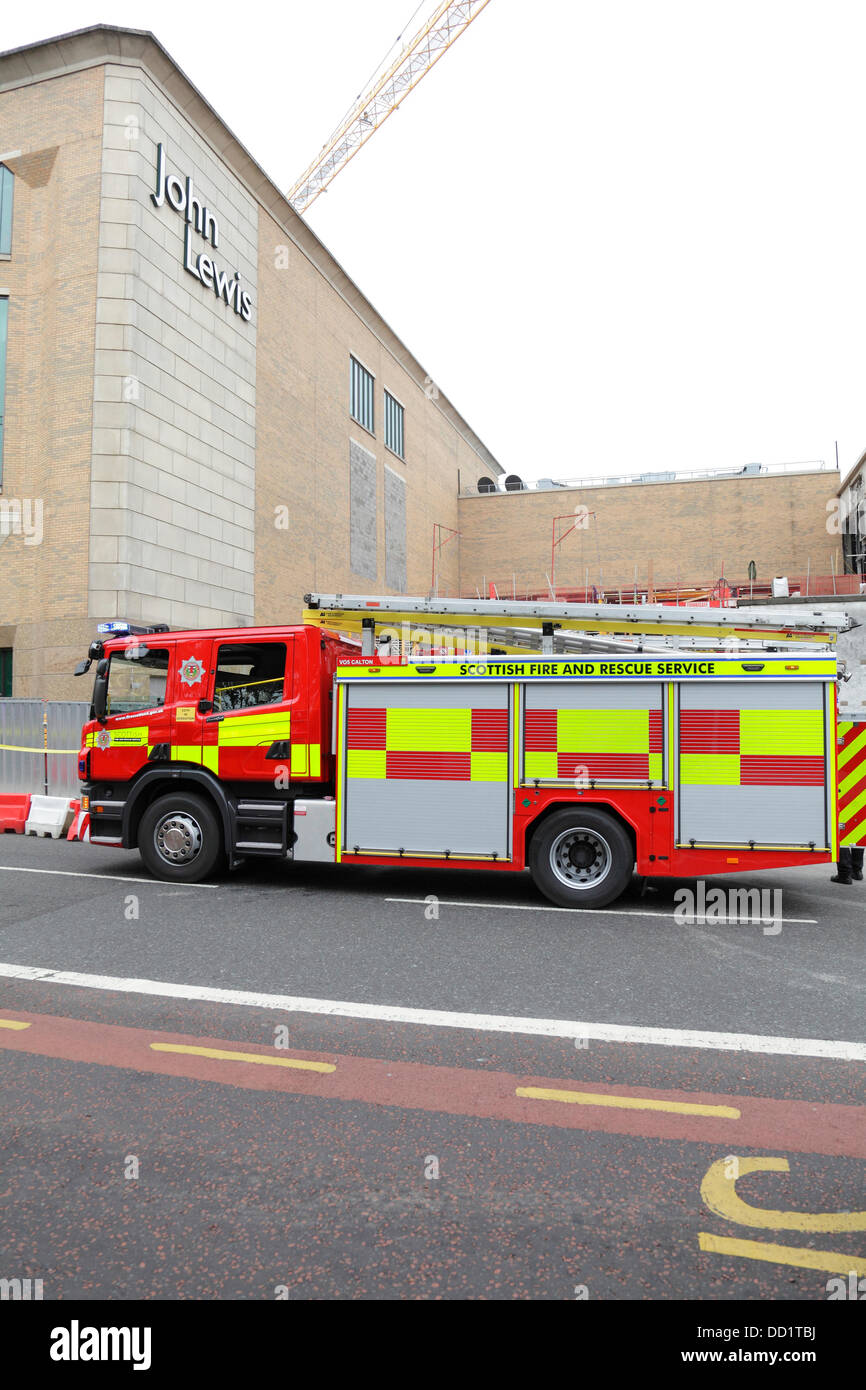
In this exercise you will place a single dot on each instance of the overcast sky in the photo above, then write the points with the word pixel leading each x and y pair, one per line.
pixel 619 235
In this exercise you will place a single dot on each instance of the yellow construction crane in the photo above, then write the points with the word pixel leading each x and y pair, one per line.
pixel 391 84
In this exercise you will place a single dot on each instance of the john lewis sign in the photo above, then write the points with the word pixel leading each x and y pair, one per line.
pixel 178 193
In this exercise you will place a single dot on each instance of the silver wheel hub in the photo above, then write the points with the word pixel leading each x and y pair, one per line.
pixel 580 858
pixel 178 838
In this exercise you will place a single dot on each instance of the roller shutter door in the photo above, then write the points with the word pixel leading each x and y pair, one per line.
pixel 752 759
pixel 427 770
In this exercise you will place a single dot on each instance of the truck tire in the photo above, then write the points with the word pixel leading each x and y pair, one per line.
pixel 180 838
pixel 581 857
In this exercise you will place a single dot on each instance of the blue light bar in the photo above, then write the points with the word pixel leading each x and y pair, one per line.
pixel 120 628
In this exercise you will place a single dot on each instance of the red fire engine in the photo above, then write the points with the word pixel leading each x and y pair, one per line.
pixel 616 751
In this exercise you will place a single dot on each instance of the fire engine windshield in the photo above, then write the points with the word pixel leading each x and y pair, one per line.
pixel 136 680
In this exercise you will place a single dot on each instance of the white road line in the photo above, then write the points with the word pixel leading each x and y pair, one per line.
pixel 440 1018
pixel 611 912
pixel 104 878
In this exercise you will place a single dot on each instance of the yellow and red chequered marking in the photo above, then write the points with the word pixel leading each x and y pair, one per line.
pixel 607 744
pixel 752 748
pixel 451 745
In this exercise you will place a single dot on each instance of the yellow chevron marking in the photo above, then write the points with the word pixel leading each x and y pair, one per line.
pixel 855 776
pixel 846 754
pixel 849 811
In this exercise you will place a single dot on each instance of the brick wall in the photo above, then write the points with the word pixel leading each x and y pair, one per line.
pixel 51 279
pixel 307 332
pixel 691 528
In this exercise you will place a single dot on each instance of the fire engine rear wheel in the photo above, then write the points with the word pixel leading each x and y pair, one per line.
pixel 179 838
pixel 581 858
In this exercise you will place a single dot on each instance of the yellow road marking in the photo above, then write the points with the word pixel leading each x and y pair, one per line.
pixel 829 1260
pixel 12 1023
pixel 720 1195
pixel 676 1107
pixel 219 1056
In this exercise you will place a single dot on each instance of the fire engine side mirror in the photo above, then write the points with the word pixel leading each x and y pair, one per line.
pixel 205 706
pixel 82 668
pixel 100 691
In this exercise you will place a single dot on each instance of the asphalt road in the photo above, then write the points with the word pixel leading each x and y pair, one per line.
pixel 360 1155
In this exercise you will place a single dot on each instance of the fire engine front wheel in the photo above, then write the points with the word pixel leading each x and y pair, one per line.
pixel 581 858
pixel 179 838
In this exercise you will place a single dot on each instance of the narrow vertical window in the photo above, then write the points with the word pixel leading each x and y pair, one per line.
pixel 393 425
pixel 6 184
pixel 361 386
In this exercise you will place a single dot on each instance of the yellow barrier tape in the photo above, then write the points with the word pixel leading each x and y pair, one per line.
pixel 15 748
pixel 271 680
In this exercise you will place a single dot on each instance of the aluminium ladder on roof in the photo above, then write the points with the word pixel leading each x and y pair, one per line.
pixel 365 613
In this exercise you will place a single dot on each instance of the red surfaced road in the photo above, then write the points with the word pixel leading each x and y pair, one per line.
pixel 795 1126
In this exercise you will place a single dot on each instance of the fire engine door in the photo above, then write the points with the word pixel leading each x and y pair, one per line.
pixel 247 735
pixel 138 721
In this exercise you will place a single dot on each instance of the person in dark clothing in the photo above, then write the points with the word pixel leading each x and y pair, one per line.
pixel 850 865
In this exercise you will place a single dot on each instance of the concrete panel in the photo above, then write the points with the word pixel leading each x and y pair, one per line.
pixel 395 532
pixel 362 510
pixel 191 427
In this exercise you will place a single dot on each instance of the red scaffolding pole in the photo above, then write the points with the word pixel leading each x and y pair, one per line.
pixel 438 546
pixel 576 524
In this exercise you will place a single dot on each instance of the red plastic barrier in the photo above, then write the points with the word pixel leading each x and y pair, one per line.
pixel 80 827
pixel 14 811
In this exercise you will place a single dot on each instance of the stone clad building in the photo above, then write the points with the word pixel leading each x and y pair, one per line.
pixel 204 417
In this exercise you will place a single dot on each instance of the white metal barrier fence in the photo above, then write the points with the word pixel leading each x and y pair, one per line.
pixel 39 746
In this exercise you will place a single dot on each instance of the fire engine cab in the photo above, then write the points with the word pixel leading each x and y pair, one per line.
pixel 578 741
